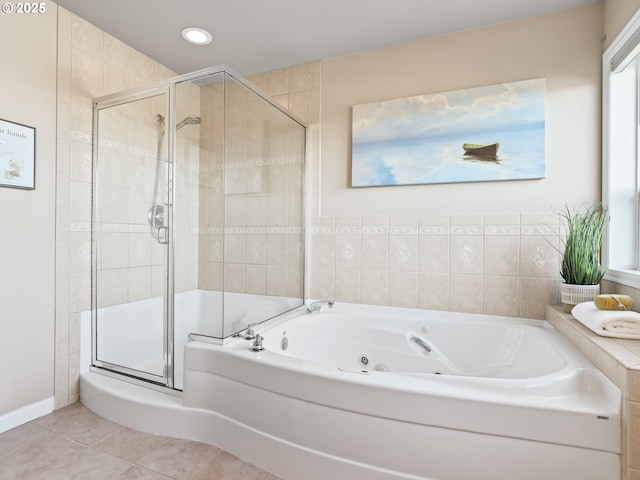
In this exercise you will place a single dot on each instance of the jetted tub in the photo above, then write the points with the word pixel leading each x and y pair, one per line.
pixel 381 393
pixel 372 393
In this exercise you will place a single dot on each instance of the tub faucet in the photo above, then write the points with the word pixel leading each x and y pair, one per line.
pixel 249 334
pixel 316 306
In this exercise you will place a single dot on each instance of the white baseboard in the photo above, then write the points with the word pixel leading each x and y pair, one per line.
pixel 26 414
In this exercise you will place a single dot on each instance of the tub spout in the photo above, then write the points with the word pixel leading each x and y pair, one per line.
pixel 316 306
pixel 425 346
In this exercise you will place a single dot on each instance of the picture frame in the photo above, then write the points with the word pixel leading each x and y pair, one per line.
pixel 478 134
pixel 17 155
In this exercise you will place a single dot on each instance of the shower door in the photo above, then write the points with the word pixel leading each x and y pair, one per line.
pixel 131 221
pixel 198 219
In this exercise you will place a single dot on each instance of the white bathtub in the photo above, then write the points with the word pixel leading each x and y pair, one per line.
pixel 495 398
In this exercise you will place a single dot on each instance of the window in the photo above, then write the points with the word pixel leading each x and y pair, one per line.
pixel 621 161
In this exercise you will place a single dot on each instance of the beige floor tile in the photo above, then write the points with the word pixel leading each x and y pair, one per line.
pixel 76 422
pixel 179 459
pixel 74 443
pixel 226 466
pixel 21 436
pixel 130 445
pixel 35 457
pixel 90 464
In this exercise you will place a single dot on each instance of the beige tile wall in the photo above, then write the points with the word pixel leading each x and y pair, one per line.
pixel 211 187
pixel 495 264
pixel 297 89
pixel 186 189
pixel 127 254
pixel 262 194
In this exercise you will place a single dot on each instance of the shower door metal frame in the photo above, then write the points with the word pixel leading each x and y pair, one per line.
pixel 166 380
pixel 169 310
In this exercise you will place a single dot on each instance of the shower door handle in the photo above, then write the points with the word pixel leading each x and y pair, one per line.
pixel 163 235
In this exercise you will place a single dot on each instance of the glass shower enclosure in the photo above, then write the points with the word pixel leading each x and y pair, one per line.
pixel 198 223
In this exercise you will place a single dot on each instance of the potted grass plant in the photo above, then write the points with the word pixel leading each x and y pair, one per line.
pixel 581 268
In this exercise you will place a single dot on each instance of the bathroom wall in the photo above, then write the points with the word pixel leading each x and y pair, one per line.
pixel 28 96
pixel 564 48
pixel 474 247
pixel 616 15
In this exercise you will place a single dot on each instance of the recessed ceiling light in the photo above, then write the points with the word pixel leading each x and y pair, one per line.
pixel 197 36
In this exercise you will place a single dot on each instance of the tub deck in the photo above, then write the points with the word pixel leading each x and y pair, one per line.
pixel 316 396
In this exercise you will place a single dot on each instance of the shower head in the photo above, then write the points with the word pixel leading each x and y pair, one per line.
pixel 189 121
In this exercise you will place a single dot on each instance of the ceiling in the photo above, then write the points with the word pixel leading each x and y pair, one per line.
pixel 253 36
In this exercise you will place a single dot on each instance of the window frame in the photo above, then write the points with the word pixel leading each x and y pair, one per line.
pixel 625 276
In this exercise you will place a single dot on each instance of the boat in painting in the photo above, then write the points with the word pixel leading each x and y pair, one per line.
pixel 479 150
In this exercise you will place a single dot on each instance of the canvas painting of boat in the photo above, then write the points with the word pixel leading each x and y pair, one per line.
pixel 489 133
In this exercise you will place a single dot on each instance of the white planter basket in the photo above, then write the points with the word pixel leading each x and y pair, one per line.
pixel 575 294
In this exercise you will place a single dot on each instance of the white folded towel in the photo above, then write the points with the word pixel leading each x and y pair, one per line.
pixel 608 323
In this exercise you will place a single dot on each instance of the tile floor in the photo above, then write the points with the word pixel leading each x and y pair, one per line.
pixel 74 443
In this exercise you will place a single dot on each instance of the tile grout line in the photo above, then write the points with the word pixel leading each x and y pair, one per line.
pixel 207 463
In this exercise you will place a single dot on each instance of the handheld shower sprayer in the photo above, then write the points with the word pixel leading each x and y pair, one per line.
pixel 155 215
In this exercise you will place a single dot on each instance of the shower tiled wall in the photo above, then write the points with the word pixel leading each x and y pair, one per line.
pixel 280 270
pixel 211 186
pixel 259 192
pixel 130 260
pixel 186 190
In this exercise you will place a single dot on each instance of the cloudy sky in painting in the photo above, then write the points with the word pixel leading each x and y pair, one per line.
pixel 503 106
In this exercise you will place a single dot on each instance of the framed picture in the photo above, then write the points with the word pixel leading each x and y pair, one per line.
pixel 479 134
pixel 17 155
